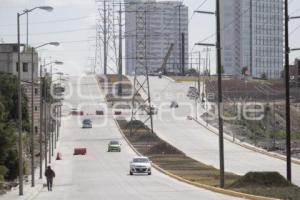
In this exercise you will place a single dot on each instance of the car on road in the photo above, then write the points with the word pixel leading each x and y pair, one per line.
pixel 114 145
pixel 87 123
pixel 174 104
pixel 140 165
pixel 151 110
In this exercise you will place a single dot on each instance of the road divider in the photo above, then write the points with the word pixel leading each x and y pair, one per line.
pixel 204 186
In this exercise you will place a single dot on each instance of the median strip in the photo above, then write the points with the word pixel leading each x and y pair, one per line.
pixel 174 163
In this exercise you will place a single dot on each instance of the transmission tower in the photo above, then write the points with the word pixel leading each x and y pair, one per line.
pixel 106 36
pixel 141 100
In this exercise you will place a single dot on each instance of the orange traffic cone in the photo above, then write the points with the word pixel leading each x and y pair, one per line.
pixel 58 156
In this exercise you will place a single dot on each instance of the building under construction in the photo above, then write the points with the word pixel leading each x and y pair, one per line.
pixel 165 33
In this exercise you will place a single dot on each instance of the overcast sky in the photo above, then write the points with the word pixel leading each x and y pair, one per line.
pixel 72 23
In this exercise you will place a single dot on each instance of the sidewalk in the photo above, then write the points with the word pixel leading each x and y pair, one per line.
pixel 29 192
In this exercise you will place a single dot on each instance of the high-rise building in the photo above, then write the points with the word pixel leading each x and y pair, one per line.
pixel 252 37
pixel 166 25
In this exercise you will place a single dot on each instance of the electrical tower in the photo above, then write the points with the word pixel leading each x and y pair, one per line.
pixel 106 52
pixel 141 100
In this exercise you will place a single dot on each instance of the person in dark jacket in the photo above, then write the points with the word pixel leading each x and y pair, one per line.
pixel 50 174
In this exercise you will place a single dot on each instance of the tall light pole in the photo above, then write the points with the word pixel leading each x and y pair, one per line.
pixel 52 141
pixel 32 109
pixel 120 53
pixel 220 96
pixel 42 122
pixel 287 99
pixel 287 88
pixel 47 119
pixel 20 145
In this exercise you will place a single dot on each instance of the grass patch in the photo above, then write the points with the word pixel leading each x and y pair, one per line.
pixel 266 184
pixel 194 78
pixel 170 158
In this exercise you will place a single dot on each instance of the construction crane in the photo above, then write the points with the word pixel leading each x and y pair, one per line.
pixel 162 69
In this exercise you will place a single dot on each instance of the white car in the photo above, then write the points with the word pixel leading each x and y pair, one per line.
pixel 140 165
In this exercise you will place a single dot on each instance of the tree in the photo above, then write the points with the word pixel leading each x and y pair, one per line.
pixel 8 123
pixel 192 71
pixel 244 71
pixel 264 76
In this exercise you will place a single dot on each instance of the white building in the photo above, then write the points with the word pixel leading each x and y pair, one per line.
pixel 166 23
pixel 252 37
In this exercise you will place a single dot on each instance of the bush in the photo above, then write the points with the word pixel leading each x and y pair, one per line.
pixel 12 164
pixel 3 172
pixel 261 179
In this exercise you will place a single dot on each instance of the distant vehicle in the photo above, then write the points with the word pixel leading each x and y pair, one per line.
pixel 191 89
pixel 114 146
pixel 74 111
pixel 140 165
pixel 192 92
pixel 151 110
pixel 87 123
pixel 174 104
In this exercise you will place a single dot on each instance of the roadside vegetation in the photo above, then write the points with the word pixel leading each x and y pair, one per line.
pixel 110 83
pixel 169 158
pixel 8 128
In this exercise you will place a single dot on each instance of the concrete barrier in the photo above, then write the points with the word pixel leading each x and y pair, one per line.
pixel 80 151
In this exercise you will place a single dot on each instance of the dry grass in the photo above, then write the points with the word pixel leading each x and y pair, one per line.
pixel 171 159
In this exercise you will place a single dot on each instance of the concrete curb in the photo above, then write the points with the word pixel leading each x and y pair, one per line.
pixel 207 187
pixel 169 78
pixel 247 146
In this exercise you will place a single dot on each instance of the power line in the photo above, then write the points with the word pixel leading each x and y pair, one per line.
pixel 202 3
pixel 51 21
pixel 54 32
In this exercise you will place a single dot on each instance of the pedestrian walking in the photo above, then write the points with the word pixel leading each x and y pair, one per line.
pixel 50 174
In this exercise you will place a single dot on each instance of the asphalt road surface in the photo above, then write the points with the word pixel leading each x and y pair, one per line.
pixel 99 174
pixel 199 143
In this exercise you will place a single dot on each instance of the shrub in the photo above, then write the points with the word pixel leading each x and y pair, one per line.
pixel 3 172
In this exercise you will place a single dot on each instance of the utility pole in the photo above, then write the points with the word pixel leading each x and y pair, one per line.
pixel 180 38
pixel 32 117
pixel 182 53
pixel 105 38
pixel 45 119
pixel 41 122
pixel 49 130
pixel 287 96
pixel 120 52
pixel 220 98
pixel 20 143
pixel 199 70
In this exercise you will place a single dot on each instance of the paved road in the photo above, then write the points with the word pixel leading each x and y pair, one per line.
pixel 199 143
pixel 103 175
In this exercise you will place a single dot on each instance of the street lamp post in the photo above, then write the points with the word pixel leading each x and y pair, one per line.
pixel 42 118
pixel 47 119
pixel 20 145
pixel 287 88
pixel 33 49
pixel 220 97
